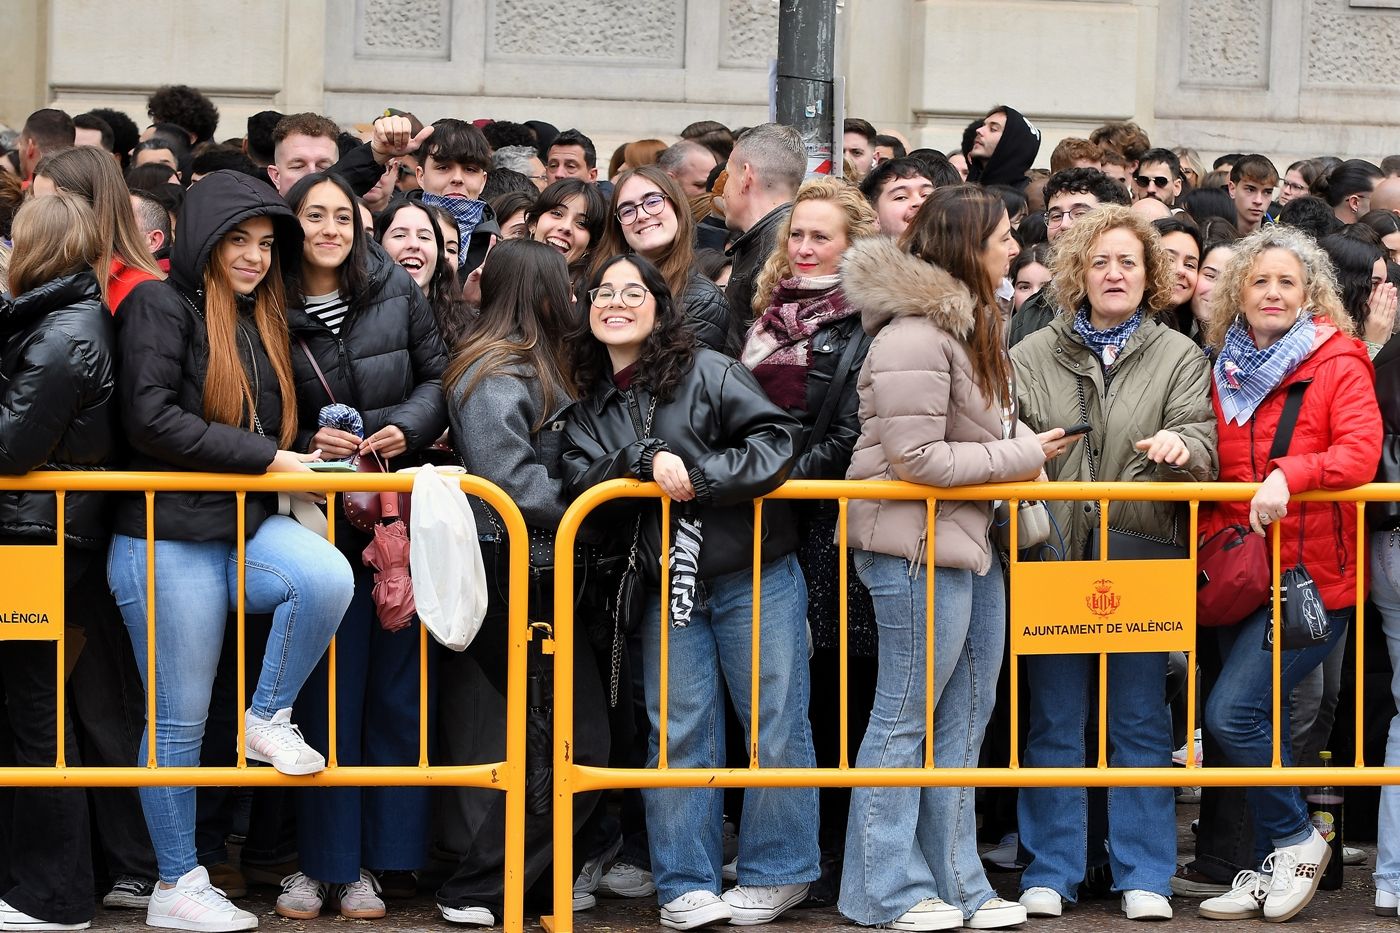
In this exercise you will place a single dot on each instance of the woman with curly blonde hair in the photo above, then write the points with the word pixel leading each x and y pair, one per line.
pixel 1143 389
pixel 1282 333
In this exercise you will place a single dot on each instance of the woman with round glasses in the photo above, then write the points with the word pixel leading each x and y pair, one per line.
pixel 649 216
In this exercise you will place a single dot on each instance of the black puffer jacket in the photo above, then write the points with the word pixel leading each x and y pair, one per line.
pixel 386 363
pixel 737 445
pixel 1387 362
pixel 707 313
pixel 58 408
pixel 163 350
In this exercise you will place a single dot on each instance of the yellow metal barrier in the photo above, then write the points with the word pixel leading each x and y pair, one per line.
pixel 571 779
pixel 507 776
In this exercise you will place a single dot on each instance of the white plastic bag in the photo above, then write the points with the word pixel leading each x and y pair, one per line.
pixel 449 578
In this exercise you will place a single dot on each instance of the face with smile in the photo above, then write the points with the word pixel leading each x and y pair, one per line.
pixel 620 328
pixel 565 228
pixel 899 201
pixel 988 135
pixel 328 224
pixel 1273 295
pixel 410 242
pixel 817 238
pixel 245 254
pixel 1186 261
pixel 569 162
pixel 646 233
pixel 1117 277
pixel 1212 267
pixel 999 250
pixel 451 179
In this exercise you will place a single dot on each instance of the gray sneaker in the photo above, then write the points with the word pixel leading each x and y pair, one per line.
pixel 301 897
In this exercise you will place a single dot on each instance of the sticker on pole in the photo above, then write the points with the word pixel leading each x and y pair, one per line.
pixel 1088 607
pixel 31 607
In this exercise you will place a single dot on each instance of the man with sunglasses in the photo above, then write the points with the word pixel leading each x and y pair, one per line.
pixel 1158 176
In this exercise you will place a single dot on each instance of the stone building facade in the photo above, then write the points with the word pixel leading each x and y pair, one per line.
pixel 1286 77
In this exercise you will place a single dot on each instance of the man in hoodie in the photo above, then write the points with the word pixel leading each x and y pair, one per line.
pixel 1002 149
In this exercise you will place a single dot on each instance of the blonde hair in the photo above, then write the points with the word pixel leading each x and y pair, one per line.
pixel 860 222
pixel 1071 254
pixel 53 237
pixel 1319 282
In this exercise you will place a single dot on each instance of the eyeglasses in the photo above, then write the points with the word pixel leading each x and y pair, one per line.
pixel 632 295
pixel 1054 218
pixel 1144 180
pixel 650 204
pixel 1294 187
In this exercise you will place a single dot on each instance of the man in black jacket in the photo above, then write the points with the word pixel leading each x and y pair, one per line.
pixel 765 170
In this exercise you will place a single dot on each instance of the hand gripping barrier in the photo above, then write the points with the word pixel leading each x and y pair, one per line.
pixel 38 571
pixel 1138 635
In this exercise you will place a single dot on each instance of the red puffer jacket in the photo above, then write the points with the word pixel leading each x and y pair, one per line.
pixel 1336 445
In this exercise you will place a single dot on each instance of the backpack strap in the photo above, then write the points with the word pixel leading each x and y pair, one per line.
pixel 1288 420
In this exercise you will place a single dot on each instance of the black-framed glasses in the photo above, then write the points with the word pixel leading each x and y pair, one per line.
pixel 632 295
pixel 1055 217
pixel 650 204
pixel 1144 180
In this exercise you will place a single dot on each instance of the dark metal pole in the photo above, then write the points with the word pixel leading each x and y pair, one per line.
pixel 806 71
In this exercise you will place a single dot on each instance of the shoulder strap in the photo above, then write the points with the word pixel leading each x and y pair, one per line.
pixel 1288 420
pixel 317 369
pixel 833 390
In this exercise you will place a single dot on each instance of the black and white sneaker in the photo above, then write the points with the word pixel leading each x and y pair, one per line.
pixel 129 891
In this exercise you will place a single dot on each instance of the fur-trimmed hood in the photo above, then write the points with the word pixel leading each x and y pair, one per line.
pixel 885 282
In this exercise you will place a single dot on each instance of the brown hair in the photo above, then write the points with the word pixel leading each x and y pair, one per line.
pixel 1071 254
pixel 678 258
pixel 950 231
pixel 642 152
pixel 1123 137
pixel 1072 149
pixel 304 124
pixel 53 237
pixel 92 174
pixel 860 222
pixel 228 395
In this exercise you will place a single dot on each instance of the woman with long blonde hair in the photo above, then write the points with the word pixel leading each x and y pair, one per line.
pixel 206 385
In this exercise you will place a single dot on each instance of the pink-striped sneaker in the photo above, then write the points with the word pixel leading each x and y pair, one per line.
pixel 196 905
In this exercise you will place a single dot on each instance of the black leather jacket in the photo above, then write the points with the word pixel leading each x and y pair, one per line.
pixel 737 444
pixel 831 455
pixel 1387 363
pixel 58 406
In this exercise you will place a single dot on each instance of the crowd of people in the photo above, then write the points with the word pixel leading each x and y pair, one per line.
pixel 708 318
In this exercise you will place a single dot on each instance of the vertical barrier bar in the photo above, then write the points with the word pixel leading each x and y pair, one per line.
pixel 930 650
pixel 241 498
pixel 332 734
pixel 1191 655
pixel 1360 635
pixel 518 624
pixel 665 660
pixel 1015 664
pixel 61 690
pixel 1277 624
pixel 1103 656
pixel 756 659
pixel 844 583
pixel 150 629
pixel 422 695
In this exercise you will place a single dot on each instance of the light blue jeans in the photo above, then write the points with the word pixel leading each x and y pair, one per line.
pixel 904 844
pixel 778 832
pixel 1141 820
pixel 1385 593
pixel 292 573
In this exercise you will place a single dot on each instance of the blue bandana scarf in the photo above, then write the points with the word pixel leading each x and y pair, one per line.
pixel 1245 374
pixel 466 213
pixel 1106 344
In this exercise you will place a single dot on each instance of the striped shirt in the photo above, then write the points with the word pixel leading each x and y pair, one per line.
pixel 330 309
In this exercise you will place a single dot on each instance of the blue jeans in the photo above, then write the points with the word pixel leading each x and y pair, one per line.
pixel 292 573
pixel 1141 820
pixel 904 844
pixel 1239 712
pixel 1385 593
pixel 340 829
pixel 778 832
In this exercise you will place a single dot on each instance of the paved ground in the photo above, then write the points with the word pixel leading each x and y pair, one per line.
pixel 1345 910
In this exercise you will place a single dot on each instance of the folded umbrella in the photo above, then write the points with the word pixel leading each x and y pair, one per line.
pixel 387 553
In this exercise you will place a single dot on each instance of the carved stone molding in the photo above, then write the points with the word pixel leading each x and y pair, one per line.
pixel 1350 49
pixel 599 32
pixel 749 37
pixel 393 29
pixel 1227 43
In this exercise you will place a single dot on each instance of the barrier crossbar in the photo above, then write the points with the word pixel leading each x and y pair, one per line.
pixel 571 779
pixel 507 776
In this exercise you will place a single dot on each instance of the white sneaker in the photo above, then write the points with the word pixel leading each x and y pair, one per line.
pixel 194 904
pixel 1353 856
pixel 929 914
pixel 301 897
pixel 752 904
pixel 694 909
pixel 729 871
pixel 1042 902
pixel 471 916
pixel 1244 902
pixel 995 914
pixel 1387 904
pixel 584 900
pixel 278 742
pixel 1146 905
pixel 360 900
pixel 592 872
pixel 1297 871
pixel 627 880
pixel 13 919
pixel 1004 856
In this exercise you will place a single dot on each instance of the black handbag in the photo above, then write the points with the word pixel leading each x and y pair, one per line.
pixel 539 735
pixel 1305 622
pixel 627 605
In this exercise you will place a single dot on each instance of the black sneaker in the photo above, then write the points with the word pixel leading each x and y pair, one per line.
pixel 398 884
pixel 129 891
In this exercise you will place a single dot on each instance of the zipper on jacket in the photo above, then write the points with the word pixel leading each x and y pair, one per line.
pixel 918 555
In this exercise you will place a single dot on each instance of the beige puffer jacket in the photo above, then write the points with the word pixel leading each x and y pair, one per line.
pixel 1161 380
pixel 923 418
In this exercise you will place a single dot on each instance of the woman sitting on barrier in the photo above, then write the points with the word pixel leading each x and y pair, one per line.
pixel 206 384
pixel 1142 389
pixel 57 378
pixel 1281 331
pixel 363 338
pixel 509 387
pixel 658 407
pixel 936 408
pixel 806 349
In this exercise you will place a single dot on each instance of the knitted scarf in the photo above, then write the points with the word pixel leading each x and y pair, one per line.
pixel 467 213
pixel 1245 375
pixel 1106 344
pixel 779 344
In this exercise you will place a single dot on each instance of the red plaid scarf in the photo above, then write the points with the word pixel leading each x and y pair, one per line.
pixel 779 344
